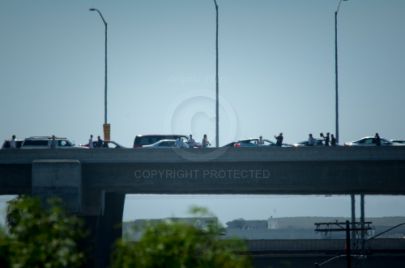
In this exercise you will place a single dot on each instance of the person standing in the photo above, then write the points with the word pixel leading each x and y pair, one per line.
pixel 53 142
pixel 205 143
pixel 191 141
pixel 311 140
pixel 99 142
pixel 261 141
pixel 178 143
pixel 332 140
pixel 279 139
pixel 377 139
pixel 91 146
pixel 13 144
pixel 327 139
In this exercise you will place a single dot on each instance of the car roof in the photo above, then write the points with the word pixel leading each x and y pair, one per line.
pixel 367 137
pixel 370 137
pixel 44 138
pixel 161 135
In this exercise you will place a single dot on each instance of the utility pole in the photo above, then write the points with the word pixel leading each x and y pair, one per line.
pixel 327 227
pixel 348 247
pixel 216 81
pixel 106 126
pixel 336 73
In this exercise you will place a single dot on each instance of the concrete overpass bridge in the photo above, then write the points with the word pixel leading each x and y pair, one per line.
pixel 93 183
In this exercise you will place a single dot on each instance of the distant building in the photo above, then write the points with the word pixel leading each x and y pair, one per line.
pixel 304 228
pixel 134 230
pixel 272 223
pixel 272 228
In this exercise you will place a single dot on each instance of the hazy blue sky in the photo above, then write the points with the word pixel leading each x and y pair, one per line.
pixel 276 68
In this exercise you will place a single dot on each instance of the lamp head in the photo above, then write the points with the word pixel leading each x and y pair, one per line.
pixel 93 9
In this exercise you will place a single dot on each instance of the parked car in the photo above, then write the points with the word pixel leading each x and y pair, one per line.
pixel 105 145
pixel 44 142
pixel 398 142
pixel 165 143
pixel 368 141
pixel 317 142
pixel 142 140
pixel 253 143
pixel 6 144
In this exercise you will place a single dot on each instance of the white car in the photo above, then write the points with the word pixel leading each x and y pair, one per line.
pixel 254 143
pixel 398 142
pixel 167 143
pixel 45 142
pixel 317 142
pixel 368 141
pixel 104 145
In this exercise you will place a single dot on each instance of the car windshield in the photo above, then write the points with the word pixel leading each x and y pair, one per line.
pixel 112 145
pixel 267 142
pixel 368 141
pixel 251 142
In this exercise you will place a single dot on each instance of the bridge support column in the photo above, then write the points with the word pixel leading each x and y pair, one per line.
pixel 101 211
pixel 362 226
pixel 109 227
pixel 58 178
pixel 353 210
pixel 104 228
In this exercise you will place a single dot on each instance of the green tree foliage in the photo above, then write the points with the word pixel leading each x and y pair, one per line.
pixel 176 244
pixel 42 236
pixel 4 252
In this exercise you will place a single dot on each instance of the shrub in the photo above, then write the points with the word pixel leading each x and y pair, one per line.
pixel 177 244
pixel 42 236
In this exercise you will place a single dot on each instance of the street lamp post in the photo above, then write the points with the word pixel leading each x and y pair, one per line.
pixel 216 81
pixel 106 126
pixel 336 75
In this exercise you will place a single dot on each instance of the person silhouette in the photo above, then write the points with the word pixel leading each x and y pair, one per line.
pixel 99 143
pixel 91 145
pixel 13 144
pixel 327 139
pixel 279 139
pixel 261 141
pixel 53 142
pixel 205 143
pixel 377 139
pixel 191 142
pixel 332 140
pixel 311 140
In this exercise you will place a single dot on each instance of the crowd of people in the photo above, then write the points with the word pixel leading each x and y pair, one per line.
pixel 191 143
pixel 328 139
pixel 99 144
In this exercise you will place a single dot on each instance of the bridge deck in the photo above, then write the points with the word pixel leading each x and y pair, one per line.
pixel 308 170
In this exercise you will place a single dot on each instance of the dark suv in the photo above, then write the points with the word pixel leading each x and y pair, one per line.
pixel 141 140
